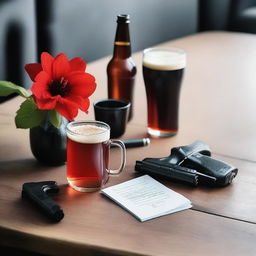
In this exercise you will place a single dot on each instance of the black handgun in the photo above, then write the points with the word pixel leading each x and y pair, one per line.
pixel 192 164
pixel 37 193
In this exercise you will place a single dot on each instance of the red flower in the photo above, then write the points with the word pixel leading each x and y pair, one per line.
pixel 61 84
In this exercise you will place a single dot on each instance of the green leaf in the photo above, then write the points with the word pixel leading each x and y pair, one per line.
pixel 55 118
pixel 7 88
pixel 29 115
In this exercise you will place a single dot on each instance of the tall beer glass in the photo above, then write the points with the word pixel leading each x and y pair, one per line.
pixel 162 72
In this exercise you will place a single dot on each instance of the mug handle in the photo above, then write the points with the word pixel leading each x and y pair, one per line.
pixel 121 145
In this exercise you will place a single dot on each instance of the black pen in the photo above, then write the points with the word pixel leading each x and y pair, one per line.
pixel 136 142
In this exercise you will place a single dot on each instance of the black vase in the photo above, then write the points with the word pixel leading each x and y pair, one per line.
pixel 48 143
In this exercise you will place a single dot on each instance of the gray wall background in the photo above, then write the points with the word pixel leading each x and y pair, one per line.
pixel 84 28
pixel 17 39
pixel 87 27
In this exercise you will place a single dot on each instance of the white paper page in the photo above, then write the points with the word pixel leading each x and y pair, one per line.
pixel 146 198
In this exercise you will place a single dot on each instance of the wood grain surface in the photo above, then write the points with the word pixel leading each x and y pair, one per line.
pixel 217 103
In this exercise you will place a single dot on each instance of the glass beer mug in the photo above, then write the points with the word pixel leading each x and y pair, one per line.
pixel 88 146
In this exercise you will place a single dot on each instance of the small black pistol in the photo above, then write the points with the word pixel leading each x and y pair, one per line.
pixel 36 192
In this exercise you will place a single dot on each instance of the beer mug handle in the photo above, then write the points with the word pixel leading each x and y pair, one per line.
pixel 121 145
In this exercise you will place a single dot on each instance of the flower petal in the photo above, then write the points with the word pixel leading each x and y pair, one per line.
pixel 67 108
pixel 46 103
pixel 83 103
pixel 40 87
pixel 77 64
pixel 82 84
pixel 47 62
pixel 33 69
pixel 60 66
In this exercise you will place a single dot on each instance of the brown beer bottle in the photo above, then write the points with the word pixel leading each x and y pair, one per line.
pixel 121 69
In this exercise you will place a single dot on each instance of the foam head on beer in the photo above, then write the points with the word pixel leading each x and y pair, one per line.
pixel 88 133
pixel 164 59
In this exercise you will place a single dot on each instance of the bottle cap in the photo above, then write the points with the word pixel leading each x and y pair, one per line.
pixel 123 18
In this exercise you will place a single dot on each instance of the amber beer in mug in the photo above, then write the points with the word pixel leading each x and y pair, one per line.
pixel 162 72
pixel 88 147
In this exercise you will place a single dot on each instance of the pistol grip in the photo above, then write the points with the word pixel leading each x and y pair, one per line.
pixel 36 192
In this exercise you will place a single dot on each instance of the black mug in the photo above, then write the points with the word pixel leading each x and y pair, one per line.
pixel 113 112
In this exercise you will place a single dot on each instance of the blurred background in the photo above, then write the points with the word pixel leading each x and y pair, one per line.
pixel 86 28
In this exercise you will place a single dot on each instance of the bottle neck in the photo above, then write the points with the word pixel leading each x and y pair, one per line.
pixel 122 47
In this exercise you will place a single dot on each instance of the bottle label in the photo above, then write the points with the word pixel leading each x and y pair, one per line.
pixel 122 43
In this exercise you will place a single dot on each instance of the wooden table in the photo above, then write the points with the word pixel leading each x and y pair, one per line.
pixel 218 100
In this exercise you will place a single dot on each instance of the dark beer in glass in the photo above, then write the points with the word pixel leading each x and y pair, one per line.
pixel 162 72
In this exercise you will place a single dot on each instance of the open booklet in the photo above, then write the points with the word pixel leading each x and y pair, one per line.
pixel 146 198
